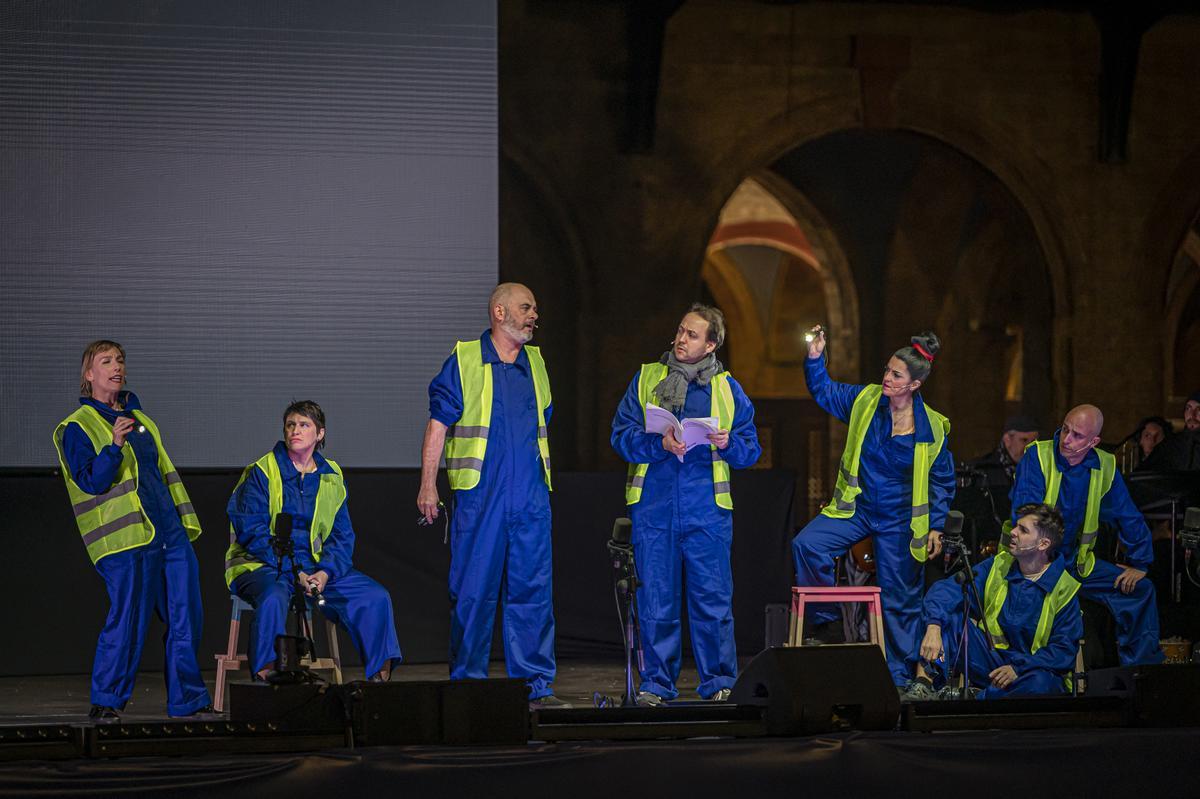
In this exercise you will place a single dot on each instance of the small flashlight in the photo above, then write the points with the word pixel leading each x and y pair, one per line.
pixel 808 337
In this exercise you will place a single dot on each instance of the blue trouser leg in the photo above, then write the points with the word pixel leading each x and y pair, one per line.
pixel 180 606
pixel 985 659
pixel 270 593
pixel 708 581
pixel 660 572
pixel 130 578
pixel 901 586
pixel 813 551
pixel 478 547
pixel 1136 614
pixel 363 608
pixel 528 602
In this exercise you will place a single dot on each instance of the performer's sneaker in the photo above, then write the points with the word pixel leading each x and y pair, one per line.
pixel 918 691
pixel 720 696
pixel 952 692
pixel 549 702
pixel 648 699
pixel 103 714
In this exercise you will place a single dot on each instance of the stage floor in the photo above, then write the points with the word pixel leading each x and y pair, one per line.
pixel 64 698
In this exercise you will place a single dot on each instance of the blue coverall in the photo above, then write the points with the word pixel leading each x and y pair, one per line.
pixel 1136 614
pixel 681 537
pixel 358 603
pixel 883 511
pixel 160 577
pixel 500 531
pixel 1039 673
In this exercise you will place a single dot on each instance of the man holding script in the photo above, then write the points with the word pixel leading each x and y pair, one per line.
pixel 680 502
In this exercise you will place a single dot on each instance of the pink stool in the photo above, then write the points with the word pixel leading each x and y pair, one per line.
pixel 803 594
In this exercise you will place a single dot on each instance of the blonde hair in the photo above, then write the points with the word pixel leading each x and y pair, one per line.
pixel 89 354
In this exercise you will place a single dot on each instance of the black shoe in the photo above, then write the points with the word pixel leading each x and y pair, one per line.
pixel 103 714
pixel 206 713
pixel 548 702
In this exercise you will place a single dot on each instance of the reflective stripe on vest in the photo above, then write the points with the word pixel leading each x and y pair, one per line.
pixel 466 442
pixel 995 591
pixel 843 504
pixel 721 408
pixel 331 493
pixel 114 521
pixel 1099 482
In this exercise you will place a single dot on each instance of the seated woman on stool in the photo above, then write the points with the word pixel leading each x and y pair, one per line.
pixel 294 478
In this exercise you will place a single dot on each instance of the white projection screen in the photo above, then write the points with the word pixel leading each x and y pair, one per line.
pixel 261 201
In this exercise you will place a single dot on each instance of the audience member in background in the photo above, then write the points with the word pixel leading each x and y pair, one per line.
pixel 138 525
pixel 1181 451
pixel 1150 433
pixel 1000 465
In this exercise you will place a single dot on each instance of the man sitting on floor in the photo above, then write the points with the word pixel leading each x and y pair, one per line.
pixel 1031 621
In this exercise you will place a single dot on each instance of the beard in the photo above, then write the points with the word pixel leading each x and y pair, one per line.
pixel 521 334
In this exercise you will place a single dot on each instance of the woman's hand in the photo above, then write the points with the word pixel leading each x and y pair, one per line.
pixel 121 429
pixel 816 344
pixel 321 578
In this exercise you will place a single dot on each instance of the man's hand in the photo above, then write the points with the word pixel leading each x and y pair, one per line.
pixel 817 345
pixel 719 439
pixel 1128 579
pixel 934 545
pixel 427 502
pixel 321 578
pixel 670 444
pixel 931 644
pixel 1003 676
pixel 121 428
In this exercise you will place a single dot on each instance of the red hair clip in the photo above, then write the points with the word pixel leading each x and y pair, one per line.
pixel 924 353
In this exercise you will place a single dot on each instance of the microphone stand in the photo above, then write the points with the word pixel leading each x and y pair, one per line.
pixel 298 609
pixel 955 543
pixel 625 584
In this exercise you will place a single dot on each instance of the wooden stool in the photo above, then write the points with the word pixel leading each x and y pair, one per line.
pixel 803 594
pixel 232 660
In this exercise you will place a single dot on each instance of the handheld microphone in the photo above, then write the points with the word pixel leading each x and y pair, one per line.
pixel 317 595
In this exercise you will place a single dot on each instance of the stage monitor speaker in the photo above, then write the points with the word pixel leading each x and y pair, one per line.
pixel 813 689
pixel 1166 695
pixel 458 712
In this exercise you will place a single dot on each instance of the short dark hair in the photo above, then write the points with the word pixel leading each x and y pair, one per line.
pixel 918 365
pixel 715 319
pixel 311 411
pixel 1049 523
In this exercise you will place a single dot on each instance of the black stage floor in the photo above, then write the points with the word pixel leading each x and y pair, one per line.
pixel 1009 763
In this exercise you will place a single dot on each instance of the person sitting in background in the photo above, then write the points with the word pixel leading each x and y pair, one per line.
pixel 1181 452
pixel 1000 465
pixel 1149 434
pixel 1030 615
pixel 294 478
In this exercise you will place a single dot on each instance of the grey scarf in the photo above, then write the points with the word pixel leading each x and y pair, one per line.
pixel 671 391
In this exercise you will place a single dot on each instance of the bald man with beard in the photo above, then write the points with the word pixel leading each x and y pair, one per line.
pixel 1069 473
pixel 489 408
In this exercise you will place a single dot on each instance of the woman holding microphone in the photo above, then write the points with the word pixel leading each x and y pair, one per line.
pixel 137 524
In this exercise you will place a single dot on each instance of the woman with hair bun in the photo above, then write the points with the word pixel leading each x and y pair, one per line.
pixel 894 485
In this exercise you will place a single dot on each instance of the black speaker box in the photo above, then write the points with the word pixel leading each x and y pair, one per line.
pixel 812 689
pixel 1166 695
pixel 460 712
